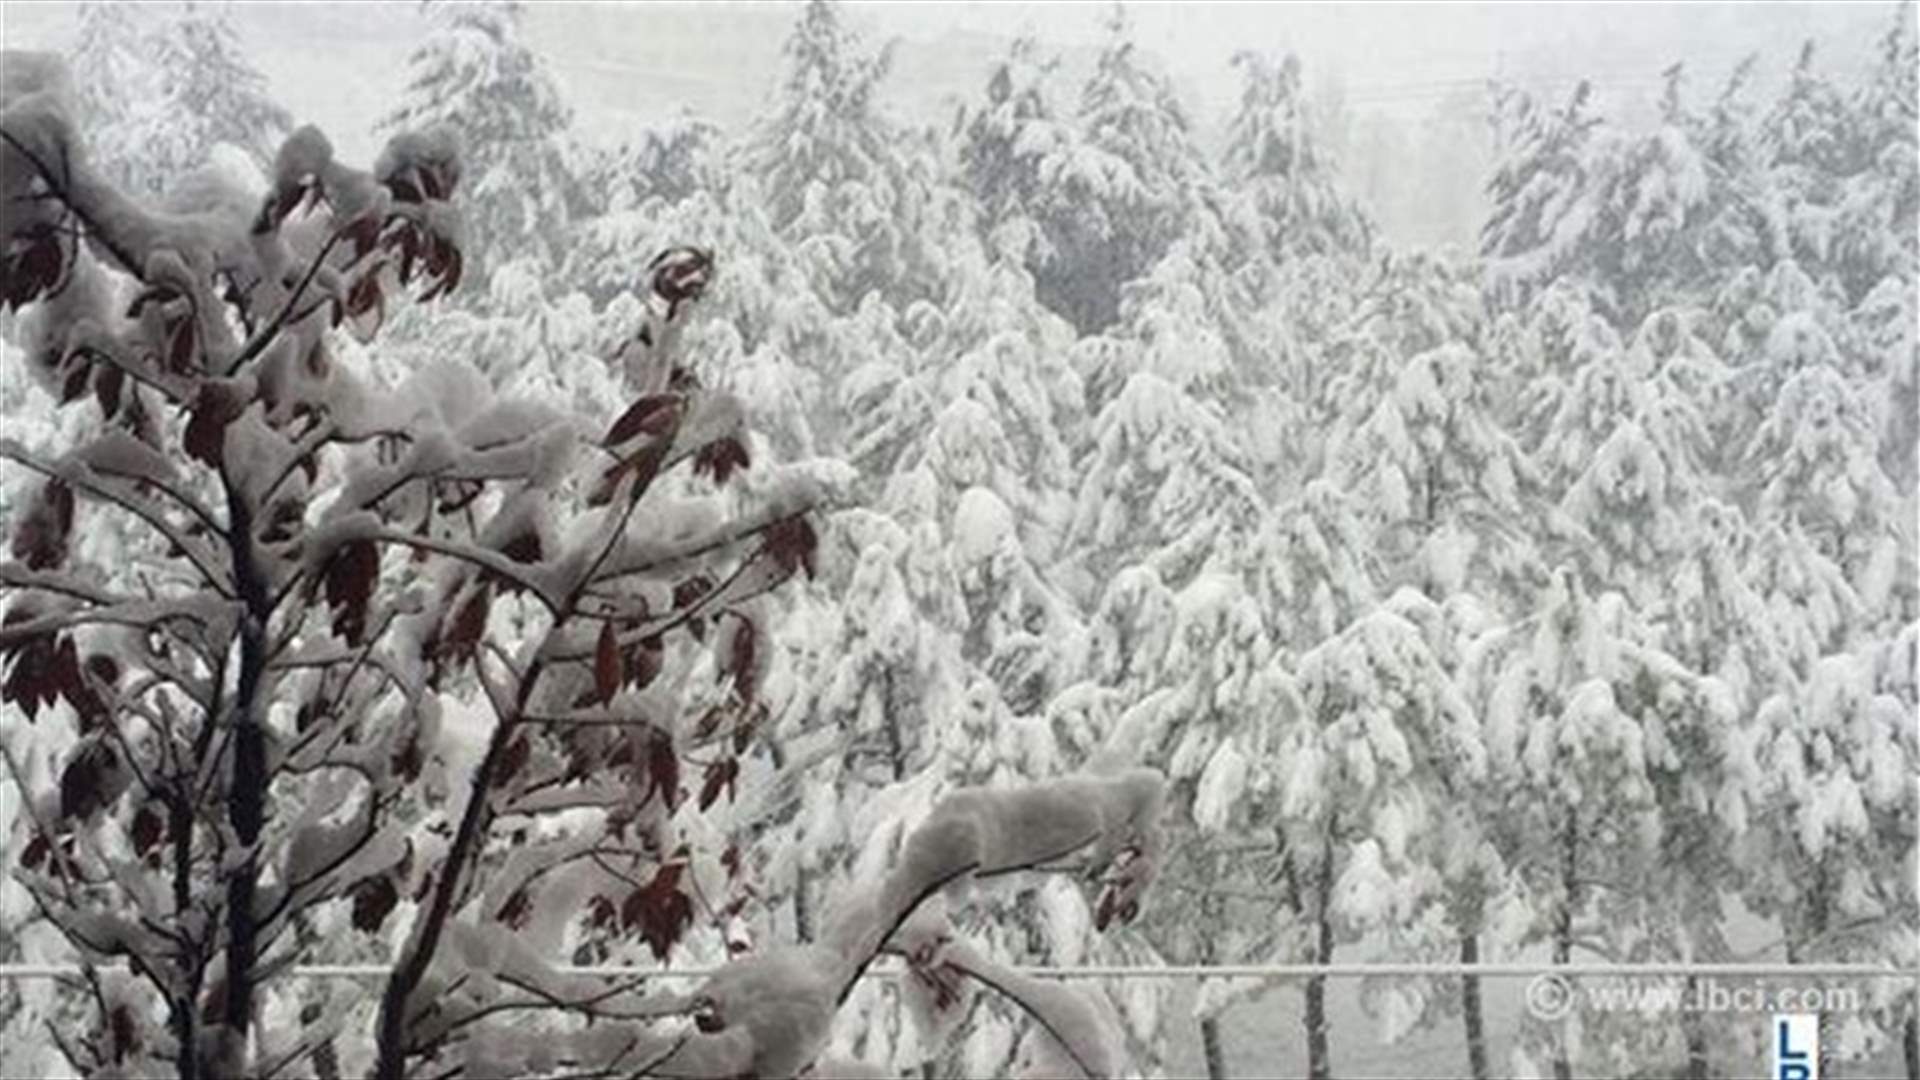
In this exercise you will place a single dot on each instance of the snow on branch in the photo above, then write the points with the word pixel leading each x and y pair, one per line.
pixel 303 578
pixel 771 1015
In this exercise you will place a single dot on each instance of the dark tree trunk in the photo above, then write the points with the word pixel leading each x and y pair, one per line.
pixel 1696 1027
pixel 247 796
pixel 802 913
pixel 1470 1013
pixel 1433 495
pixel 1319 1063
pixel 1563 926
pixel 1318 1067
pixel 390 1031
pixel 1911 1043
pixel 1822 888
pixel 896 747
pixel 185 1007
pixel 1210 1045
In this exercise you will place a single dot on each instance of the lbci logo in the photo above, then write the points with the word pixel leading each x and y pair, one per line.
pixel 1796 1047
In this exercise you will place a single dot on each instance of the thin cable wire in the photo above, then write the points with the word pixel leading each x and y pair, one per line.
pixel 1190 971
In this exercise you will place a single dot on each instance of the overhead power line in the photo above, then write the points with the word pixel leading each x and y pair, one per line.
pixel 1176 971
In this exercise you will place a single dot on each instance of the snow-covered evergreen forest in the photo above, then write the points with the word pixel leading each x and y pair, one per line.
pixel 1308 597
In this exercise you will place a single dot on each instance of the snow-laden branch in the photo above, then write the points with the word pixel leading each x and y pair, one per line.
pixel 770 1015
pixel 86 480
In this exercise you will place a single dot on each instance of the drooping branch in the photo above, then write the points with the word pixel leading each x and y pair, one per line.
pixel 59 186
pixel 491 561
pixel 85 480
pixel 1055 1009
pixel 770 1015
pixel 269 333
pixel 15 576
pixel 134 614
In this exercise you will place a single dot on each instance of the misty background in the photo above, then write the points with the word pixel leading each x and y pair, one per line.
pixel 1399 89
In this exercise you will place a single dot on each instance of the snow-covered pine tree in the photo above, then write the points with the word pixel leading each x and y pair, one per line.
pixel 1896 685
pixel 209 82
pixel 1379 744
pixel 1873 231
pixel 1539 191
pixel 1163 486
pixel 1638 218
pixel 832 170
pixel 1814 468
pixel 991 398
pixel 1719 624
pixel 1537 352
pixel 1624 515
pixel 1630 445
pixel 1274 158
pixel 1837 754
pixel 825 131
pixel 160 90
pixel 1184 321
pixel 1655 194
pixel 1447 489
pixel 668 161
pixel 1284 272
pixel 1874 251
pixel 476 75
pixel 1171 547
pixel 1309 312
pixel 1138 170
pixel 1018 631
pixel 1401 307
pixel 1045 196
pixel 1012 141
pixel 1478 896
pixel 1735 231
pixel 1329 575
pixel 1807 143
pixel 1885 333
pixel 976 491
pixel 1588 729
pixel 1215 715
pixel 113 79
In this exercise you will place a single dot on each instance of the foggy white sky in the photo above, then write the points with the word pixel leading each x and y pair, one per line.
pixel 342 65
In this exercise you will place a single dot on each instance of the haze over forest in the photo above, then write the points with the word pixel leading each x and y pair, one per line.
pixel 1400 87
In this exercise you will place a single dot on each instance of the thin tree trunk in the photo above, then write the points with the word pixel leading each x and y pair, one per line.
pixel 247 796
pixel 802 914
pixel 1470 1014
pixel 1216 1054
pixel 1829 1065
pixel 1318 1068
pixel 186 1002
pixel 1319 1064
pixel 1911 1044
pixel 1212 912
pixel 1433 495
pixel 390 1030
pixel 895 746
pixel 186 1021
pixel 1695 1023
pixel 1563 926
